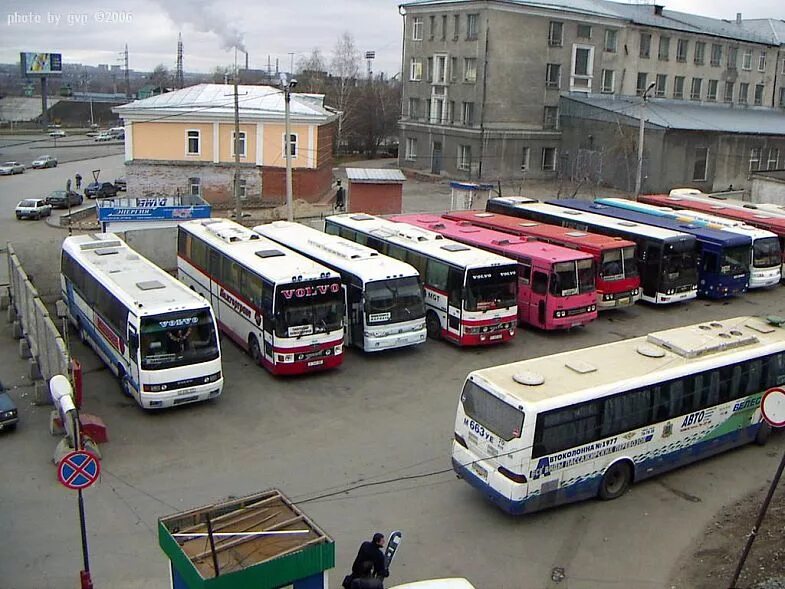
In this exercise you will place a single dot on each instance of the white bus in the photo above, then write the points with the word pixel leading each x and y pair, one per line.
pixel 586 423
pixel 470 294
pixel 157 336
pixel 285 310
pixel 384 299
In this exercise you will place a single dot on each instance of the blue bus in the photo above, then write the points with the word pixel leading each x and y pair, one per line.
pixel 723 257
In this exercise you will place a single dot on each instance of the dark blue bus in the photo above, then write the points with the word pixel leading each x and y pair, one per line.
pixel 723 258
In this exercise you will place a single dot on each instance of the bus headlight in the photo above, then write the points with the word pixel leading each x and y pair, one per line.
pixel 472 330
pixel 635 292
pixel 212 377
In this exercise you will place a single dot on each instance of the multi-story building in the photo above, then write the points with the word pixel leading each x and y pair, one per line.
pixel 774 30
pixel 483 80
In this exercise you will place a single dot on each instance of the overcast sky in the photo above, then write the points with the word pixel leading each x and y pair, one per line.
pixel 93 32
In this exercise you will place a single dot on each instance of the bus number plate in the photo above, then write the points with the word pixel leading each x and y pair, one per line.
pixel 496 336
pixel 480 471
pixel 315 362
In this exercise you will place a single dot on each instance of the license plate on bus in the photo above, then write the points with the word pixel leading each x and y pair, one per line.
pixel 624 301
pixel 182 392
pixel 315 362
pixel 480 471
pixel 497 336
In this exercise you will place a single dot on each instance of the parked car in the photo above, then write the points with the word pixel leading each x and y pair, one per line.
pixel 33 208
pixel 57 133
pixel 45 161
pixel 120 184
pixel 9 416
pixel 60 199
pixel 103 136
pixel 8 168
pixel 100 190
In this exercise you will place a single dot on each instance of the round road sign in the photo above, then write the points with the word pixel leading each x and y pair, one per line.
pixel 78 470
pixel 772 406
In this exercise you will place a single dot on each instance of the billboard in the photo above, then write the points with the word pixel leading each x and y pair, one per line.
pixel 41 64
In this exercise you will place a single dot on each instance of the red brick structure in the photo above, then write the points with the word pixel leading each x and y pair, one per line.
pixel 375 191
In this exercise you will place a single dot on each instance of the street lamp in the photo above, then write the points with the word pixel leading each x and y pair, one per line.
pixel 286 86
pixel 641 111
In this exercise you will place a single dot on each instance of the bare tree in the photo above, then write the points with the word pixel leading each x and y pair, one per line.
pixel 222 73
pixel 312 73
pixel 345 67
pixel 161 77
pixel 375 113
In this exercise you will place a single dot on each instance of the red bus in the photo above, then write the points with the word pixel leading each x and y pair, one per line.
pixel 617 280
pixel 555 284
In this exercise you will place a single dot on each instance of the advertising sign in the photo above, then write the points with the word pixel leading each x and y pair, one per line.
pixel 41 64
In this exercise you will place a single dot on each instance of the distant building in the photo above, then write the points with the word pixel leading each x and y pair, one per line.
pixel 183 142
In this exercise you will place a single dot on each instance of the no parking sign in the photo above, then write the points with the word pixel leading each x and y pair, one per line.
pixel 78 470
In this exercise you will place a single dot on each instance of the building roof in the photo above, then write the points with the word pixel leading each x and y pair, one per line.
pixel 374 176
pixel 771 175
pixel 641 14
pixel 772 28
pixel 683 115
pixel 211 101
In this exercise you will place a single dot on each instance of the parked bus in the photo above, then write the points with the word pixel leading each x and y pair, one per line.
pixel 555 285
pixel 765 260
pixel 470 294
pixel 589 422
pixel 723 258
pixel 285 310
pixel 749 214
pixel 158 337
pixel 384 300
pixel 616 279
pixel 666 259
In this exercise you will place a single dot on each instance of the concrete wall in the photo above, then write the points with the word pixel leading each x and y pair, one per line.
pixel 768 190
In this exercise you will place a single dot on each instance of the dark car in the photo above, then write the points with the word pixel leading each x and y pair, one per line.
pixel 8 414
pixel 120 184
pixel 60 199
pixel 100 190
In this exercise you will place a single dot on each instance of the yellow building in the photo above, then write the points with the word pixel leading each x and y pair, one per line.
pixel 183 142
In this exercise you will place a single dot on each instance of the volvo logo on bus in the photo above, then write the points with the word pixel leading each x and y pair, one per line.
pixel 310 290
pixel 179 322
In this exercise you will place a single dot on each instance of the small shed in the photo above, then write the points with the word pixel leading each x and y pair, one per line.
pixel 374 190
pixel 469 195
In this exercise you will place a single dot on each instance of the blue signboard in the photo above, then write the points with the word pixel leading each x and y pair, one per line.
pixel 153 208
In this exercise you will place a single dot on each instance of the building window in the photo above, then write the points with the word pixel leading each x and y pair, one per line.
pixel 582 67
pixel 744 90
pixel 774 158
pixel 427 112
pixel 417 28
pixel 700 52
pixel 469 69
pixel 292 145
pixel 645 45
pixel 467 113
pixel 192 142
pixel 701 165
pixel 695 89
pixel 608 81
pixel 242 188
pixel 415 69
pixel 456 27
pixel 661 86
pixel 754 159
pixel 553 75
pixel 678 87
pixel 584 31
pixel 728 92
pixel 195 186
pixel 472 22
pixel 414 107
pixel 429 69
pixel 444 27
pixel 746 60
pixel 431 27
pixel 451 111
pixel 783 66
pixel 758 94
pixel 242 143
pixel 525 159
pixel 440 73
pixel 464 157
pixel 551 117
pixel 681 50
pixel 711 92
pixel 411 148
pixel 782 97
pixel 716 54
pixel 664 51
pixel 453 69
pixel 762 61
pixel 733 57
pixel 610 40
pixel 437 110
pixel 640 86
pixel 549 159
pixel 555 33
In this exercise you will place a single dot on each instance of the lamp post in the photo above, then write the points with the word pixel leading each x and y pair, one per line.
pixel 641 112
pixel 286 86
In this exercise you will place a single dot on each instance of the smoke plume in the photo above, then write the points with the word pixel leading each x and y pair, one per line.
pixel 203 16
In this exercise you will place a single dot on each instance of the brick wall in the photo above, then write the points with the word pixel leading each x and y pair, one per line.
pixel 376 199
pixel 308 185
pixel 324 154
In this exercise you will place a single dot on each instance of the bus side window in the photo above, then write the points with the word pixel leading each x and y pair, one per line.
pixel 377 244
pixel 182 242
pixel 215 262
pixel 267 301
pixel 418 261
pixel 566 428
pixel 524 273
pixel 454 287
pixel 708 262
pixel 711 394
pixel 751 377
pixel 675 398
pixel 397 252
pixel 625 412
pixel 540 283
pixel 660 403
pixel 692 393
pixel 775 374
pixel 436 275
pixel 331 229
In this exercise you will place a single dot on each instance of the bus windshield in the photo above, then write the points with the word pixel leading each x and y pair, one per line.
pixel 735 260
pixel 491 288
pixel 308 308
pixel 611 265
pixel 630 264
pixel 679 265
pixel 766 252
pixel 177 339
pixel 497 416
pixel 571 278
pixel 394 300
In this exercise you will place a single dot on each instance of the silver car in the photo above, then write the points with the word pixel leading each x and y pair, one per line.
pixel 8 168
pixel 33 208
pixel 45 161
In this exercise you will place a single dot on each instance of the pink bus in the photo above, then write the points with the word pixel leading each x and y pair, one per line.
pixel 555 284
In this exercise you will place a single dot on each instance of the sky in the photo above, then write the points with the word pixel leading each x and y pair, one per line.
pixel 95 31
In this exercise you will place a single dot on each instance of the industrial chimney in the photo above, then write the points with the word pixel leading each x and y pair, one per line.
pixel 738 18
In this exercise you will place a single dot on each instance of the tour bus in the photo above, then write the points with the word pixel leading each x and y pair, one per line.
pixel 470 294
pixel 616 278
pixel 384 300
pixel 666 259
pixel 723 257
pixel 750 215
pixel 555 284
pixel 574 425
pixel 285 310
pixel 158 337
pixel 765 255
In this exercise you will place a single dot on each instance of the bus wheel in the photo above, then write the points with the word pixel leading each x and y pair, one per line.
pixel 253 349
pixel 81 332
pixel 616 480
pixel 764 431
pixel 433 326
pixel 125 386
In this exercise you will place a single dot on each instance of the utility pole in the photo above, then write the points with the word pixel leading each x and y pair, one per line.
pixel 289 205
pixel 127 74
pixel 641 112
pixel 238 206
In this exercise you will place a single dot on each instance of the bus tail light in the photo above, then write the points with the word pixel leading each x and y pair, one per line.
pixel 460 440
pixel 515 478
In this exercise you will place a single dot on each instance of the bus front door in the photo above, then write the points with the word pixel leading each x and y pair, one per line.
pixel 133 355
pixel 537 304
pixel 650 270
pixel 355 315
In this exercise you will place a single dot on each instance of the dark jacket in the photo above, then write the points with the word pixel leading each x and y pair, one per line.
pixel 370 552
pixel 367 583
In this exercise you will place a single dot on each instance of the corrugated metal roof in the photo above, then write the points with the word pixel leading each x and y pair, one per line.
pixel 767 27
pixel 374 175
pixel 694 116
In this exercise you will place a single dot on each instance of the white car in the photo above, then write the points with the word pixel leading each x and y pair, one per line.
pixel 45 161
pixel 8 168
pixel 33 208
pixel 57 133
pixel 104 136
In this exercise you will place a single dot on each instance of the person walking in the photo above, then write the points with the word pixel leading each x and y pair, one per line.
pixel 78 179
pixel 369 552
pixel 340 197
